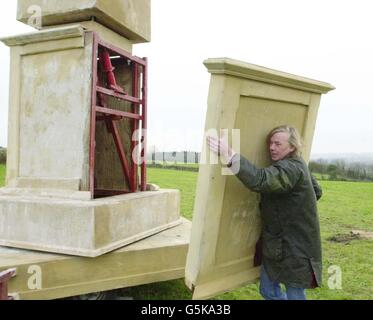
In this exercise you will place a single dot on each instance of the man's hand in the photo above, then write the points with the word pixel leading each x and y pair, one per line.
pixel 221 148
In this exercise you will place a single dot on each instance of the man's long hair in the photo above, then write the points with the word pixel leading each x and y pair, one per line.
pixel 294 138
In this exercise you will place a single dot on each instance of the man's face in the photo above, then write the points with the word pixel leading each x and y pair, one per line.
pixel 279 146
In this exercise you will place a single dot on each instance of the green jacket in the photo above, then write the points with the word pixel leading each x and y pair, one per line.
pixel 291 244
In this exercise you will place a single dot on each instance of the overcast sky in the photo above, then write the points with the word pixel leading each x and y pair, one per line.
pixel 329 40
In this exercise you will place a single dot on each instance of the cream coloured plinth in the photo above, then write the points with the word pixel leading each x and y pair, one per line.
pixel 50 109
pixel 46 204
pixel 103 32
pixel 129 18
pixel 226 219
pixel 45 276
pixel 52 221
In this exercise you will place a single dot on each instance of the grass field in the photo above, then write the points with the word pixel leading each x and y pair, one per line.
pixel 345 206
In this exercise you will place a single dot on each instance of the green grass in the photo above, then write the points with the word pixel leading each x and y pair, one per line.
pixel 180 164
pixel 2 175
pixel 321 176
pixel 184 181
pixel 345 206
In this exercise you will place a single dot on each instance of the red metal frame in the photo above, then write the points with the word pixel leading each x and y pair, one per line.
pixel 5 276
pixel 102 112
pixel 109 70
pixel 144 125
pixel 92 145
pixel 117 95
pixel 135 110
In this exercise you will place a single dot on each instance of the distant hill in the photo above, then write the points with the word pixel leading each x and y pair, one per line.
pixel 366 158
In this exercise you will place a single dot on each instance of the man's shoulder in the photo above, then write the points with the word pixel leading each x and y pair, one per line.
pixel 293 165
pixel 292 162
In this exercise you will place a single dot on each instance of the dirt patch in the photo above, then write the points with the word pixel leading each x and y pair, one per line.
pixel 363 234
pixel 353 235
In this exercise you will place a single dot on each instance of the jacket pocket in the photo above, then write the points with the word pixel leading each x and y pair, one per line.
pixel 272 246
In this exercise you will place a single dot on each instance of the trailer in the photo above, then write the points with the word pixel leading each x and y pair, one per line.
pixel 32 275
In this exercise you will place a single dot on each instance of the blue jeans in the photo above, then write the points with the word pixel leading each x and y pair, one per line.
pixel 272 291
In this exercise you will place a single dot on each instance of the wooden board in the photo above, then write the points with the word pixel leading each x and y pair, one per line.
pixel 226 218
pixel 158 258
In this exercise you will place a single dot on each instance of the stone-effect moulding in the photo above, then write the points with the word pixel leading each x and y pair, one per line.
pixel 129 18
pixel 88 228
pixel 47 204
pixel 160 257
pixel 226 218
pixel 250 71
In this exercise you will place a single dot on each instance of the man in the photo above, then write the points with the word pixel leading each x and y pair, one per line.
pixel 291 244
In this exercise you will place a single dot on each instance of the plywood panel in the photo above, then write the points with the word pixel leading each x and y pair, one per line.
pixel 240 221
pixel 109 174
pixel 54 114
pixel 226 219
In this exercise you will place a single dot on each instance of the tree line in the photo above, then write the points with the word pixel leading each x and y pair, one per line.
pixel 342 170
pixel 2 155
pixel 186 157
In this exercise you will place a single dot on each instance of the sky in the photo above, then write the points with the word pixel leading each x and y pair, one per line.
pixel 329 40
